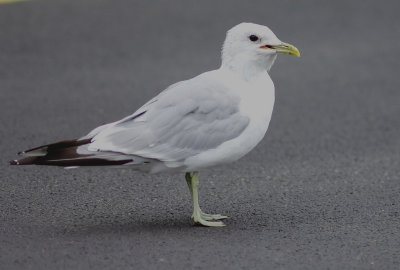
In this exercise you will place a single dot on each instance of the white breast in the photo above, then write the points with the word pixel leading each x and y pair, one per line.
pixel 257 101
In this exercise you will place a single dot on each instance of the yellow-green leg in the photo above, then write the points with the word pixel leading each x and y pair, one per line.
pixel 192 180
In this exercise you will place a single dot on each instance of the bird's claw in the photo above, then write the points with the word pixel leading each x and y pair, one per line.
pixel 213 216
pixel 208 220
pixel 206 223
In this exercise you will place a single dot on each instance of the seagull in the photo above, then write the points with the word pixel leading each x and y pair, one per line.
pixel 214 118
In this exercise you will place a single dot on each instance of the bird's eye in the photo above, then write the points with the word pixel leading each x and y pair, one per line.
pixel 253 38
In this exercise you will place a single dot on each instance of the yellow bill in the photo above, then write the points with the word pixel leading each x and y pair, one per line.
pixel 283 48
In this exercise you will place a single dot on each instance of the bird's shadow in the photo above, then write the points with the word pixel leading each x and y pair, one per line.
pixel 132 226
pixel 266 221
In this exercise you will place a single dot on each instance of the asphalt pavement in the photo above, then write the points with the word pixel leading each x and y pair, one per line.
pixel 321 191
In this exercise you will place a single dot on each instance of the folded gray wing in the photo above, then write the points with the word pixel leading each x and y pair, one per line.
pixel 184 120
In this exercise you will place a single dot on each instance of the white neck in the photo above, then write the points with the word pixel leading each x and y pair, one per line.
pixel 249 67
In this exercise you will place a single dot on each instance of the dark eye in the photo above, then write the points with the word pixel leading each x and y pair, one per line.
pixel 253 38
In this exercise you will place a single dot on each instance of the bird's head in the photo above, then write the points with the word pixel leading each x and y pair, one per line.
pixel 253 46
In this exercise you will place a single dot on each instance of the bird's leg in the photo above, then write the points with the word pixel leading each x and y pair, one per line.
pixel 204 215
pixel 192 180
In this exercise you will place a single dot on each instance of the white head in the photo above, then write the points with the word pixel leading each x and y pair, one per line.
pixel 250 47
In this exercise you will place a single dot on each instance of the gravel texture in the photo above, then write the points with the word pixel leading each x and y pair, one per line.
pixel 321 191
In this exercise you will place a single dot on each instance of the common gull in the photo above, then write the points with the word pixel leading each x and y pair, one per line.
pixel 214 118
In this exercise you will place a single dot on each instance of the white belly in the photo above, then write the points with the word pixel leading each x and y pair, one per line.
pixel 257 104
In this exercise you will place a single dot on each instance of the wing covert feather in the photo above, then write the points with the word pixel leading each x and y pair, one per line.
pixel 184 120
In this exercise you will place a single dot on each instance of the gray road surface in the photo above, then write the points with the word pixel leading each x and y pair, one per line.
pixel 321 191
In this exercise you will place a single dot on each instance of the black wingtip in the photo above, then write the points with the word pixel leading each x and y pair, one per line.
pixel 13 162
